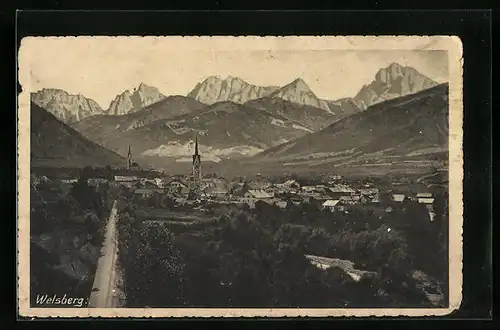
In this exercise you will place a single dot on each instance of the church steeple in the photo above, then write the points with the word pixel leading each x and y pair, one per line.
pixel 129 158
pixel 196 145
pixel 195 179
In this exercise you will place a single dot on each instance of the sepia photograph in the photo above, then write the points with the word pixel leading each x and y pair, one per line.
pixel 240 176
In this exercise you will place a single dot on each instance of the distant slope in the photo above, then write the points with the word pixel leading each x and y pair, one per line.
pixel 214 89
pixel 101 128
pixel 308 116
pixel 346 106
pixel 410 130
pixel 392 82
pixel 131 101
pixel 53 143
pixel 64 106
pixel 226 130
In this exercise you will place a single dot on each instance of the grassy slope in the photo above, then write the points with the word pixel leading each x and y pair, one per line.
pixel 53 143
pixel 410 128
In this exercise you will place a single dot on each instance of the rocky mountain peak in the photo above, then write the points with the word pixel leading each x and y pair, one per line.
pixel 299 85
pixel 66 107
pixel 299 92
pixel 215 89
pixel 393 81
pixel 139 98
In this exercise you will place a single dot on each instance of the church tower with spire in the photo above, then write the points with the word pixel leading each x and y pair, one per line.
pixel 129 158
pixel 195 182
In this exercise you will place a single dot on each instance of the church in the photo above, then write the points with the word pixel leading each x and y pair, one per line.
pixel 195 176
pixel 131 165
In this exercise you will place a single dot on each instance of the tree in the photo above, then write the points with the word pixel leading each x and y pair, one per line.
pixel 154 270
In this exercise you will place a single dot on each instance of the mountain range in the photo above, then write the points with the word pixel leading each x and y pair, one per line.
pixel 233 118
pixel 410 132
pixel 390 82
pixel 53 143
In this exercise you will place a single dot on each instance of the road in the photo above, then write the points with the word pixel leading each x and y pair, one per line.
pixel 104 290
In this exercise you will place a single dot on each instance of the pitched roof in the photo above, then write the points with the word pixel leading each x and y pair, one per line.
pixel 368 191
pixel 122 178
pixel 341 188
pixel 331 202
pixel 290 182
pixel 259 194
pixel 424 195
pixel 176 180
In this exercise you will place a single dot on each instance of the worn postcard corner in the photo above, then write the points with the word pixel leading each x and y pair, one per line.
pixel 240 176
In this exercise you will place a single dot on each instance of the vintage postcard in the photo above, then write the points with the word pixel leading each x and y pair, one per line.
pixel 239 176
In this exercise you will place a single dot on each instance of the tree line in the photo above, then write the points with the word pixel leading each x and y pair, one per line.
pixel 255 258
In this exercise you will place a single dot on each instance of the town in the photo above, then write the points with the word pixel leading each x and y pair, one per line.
pixel 331 193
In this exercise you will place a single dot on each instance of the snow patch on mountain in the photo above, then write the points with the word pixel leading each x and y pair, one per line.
pixel 184 151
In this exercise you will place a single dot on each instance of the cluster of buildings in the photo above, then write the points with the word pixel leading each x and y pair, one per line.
pixel 332 195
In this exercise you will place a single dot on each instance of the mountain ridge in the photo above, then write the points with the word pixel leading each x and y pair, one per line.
pixel 393 81
pixel 409 128
pixel 140 97
pixel 64 106
pixel 53 143
pixel 299 92
pixel 214 89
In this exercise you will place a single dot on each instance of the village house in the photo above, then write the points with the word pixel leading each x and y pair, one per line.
pixel 330 205
pixel 334 177
pixel 339 190
pixel 258 184
pixel 368 191
pixel 126 181
pixel 150 184
pixel 347 200
pixel 356 199
pixel 237 188
pixel 320 189
pixel 159 182
pixel 292 184
pixel 95 182
pixel 425 200
pixel 346 266
pixel 399 198
pixel 274 190
pixel 281 204
pixel 70 181
pixel 215 190
pixel 308 189
pixel 423 195
pixel 289 186
pixel 147 192
pixel 429 204
pixel 177 186
pixel 253 196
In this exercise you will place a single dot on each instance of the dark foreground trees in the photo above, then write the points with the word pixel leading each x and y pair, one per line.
pixel 255 258
pixel 151 263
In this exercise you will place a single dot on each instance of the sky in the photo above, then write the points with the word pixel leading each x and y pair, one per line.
pixel 101 70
